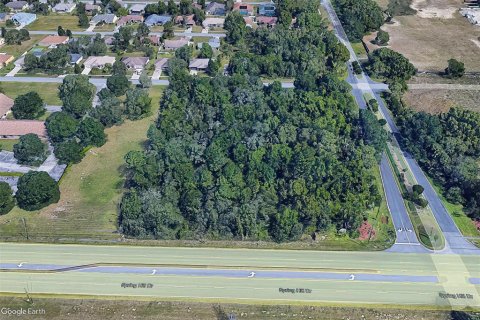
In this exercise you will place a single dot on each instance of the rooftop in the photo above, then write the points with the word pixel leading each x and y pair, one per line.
pixel 53 40
pixel 22 127
pixel 6 104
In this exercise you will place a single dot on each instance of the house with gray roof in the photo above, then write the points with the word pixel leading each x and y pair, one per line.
pixel 108 18
pixel 17 5
pixel 215 9
pixel 155 19
pixel 64 7
pixel 137 8
pixel 135 63
pixel 198 65
pixel 23 18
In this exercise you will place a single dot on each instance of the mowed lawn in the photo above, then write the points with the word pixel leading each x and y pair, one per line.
pixel 7 144
pixel 18 50
pixel 90 190
pixel 52 21
pixel 47 91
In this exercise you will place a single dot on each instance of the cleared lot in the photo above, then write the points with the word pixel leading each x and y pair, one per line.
pixel 437 33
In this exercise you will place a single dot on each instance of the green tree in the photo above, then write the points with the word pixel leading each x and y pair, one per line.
pixel 118 84
pixel 7 202
pixel 83 20
pixel 109 112
pixel 455 69
pixel 382 38
pixel 137 104
pixel 69 151
pixel 206 51
pixel 36 190
pixel 61 126
pixel 76 93
pixel 185 53
pixel 213 67
pixel 28 106
pixel 60 31
pixel 235 27
pixel 90 132
pixel 145 80
pixel 386 63
pixel 284 226
pixel 142 30
pixel 30 150
pixel 168 32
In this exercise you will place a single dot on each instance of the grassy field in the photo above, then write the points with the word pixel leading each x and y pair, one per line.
pixel 429 42
pixel 87 309
pixel 104 27
pixel 90 190
pixel 52 21
pixel 441 100
pixel 47 91
pixel 7 144
pixel 17 50
pixel 359 50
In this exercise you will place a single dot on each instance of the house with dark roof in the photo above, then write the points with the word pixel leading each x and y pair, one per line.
pixel 75 58
pixel 155 19
pixel 197 65
pixel 162 64
pixel 215 9
pixel 266 21
pixel 91 8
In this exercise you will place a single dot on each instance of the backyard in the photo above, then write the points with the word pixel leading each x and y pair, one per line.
pixel 85 210
pixel 48 91
pixel 52 21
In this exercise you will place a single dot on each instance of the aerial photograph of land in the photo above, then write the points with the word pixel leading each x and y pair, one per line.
pixel 240 159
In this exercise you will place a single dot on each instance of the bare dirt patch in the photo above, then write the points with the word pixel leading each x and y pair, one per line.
pixel 437 33
pixel 438 101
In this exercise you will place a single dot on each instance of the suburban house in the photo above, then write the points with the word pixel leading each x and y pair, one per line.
pixel 129 20
pixel 107 18
pixel 14 129
pixel 75 58
pixel 135 63
pixel 64 7
pixel 98 61
pixel 244 9
pixel 162 64
pixel 215 9
pixel 266 21
pixel 23 18
pixel 53 41
pixel 137 9
pixel 5 59
pixel 267 9
pixel 17 5
pixel 155 19
pixel 175 44
pixel 198 65
pixel 186 20
pixel 154 39
pixel 213 22
pixel 91 8
pixel 108 40
pixel 6 104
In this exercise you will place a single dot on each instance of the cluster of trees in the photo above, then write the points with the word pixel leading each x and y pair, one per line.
pixel 447 146
pixel 83 20
pixel 87 46
pixel 130 39
pixel 184 7
pixel 307 49
pixel 455 69
pixel 36 189
pixel 230 158
pixel 53 62
pixel 390 65
pixel 28 106
pixel 72 129
pixel 359 17
pixel 14 36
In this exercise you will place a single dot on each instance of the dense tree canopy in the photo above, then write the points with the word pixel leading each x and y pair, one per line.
pixel 90 132
pixel 359 17
pixel 231 158
pixel 391 65
pixel 28 106
pixel 76 93
pixel 30 150
pixel 61 126
pixel 36 189
pixel 7 202
pixel 447 146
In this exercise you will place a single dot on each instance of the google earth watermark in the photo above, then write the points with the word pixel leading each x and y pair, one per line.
pixel 21 311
